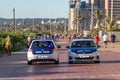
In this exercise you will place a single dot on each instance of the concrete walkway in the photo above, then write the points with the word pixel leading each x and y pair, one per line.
pixel 116 47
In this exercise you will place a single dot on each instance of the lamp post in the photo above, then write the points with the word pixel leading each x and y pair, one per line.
pixel 33 24
pixel 77 7
pixel 50 25
pixel 65 26
pixel 111 10
pixel 92 7
pixel 14 21
pixel 43 24
pixel 77 21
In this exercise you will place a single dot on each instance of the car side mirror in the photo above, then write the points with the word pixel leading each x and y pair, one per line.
pixel 67 46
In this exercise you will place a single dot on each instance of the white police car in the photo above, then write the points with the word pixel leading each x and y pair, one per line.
pixel 83 50
pixel 42 50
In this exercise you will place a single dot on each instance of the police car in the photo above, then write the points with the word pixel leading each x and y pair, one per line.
pixel 82 50
pixel 42 50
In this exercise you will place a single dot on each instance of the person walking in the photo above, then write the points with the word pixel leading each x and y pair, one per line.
pixel 113 38
pixel 96 38
pixel 8 45
pixel 29 40
pixel 69 37
pixel 105 40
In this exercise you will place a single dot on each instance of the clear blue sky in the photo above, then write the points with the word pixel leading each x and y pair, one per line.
pixel 34 8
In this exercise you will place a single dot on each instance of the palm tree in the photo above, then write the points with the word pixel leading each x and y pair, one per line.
pixel 96 15
pixel 111 24
pixel 77 21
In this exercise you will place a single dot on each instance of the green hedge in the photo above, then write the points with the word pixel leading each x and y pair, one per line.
pixel 18 39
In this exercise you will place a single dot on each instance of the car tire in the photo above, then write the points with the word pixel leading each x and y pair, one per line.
pixel 29 62
pixel 97 57
pixel 97 61
pixel 70 62
pixel 57 62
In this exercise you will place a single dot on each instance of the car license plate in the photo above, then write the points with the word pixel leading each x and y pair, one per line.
pixel 84 56
pixel 38 52
pixel 42 56
pixel 46 51
pixel 42 52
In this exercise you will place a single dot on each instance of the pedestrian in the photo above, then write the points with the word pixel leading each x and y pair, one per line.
pixel 105 40
pixel 8 45
pixel 69 37
pixel 63 36
pixel 96 38
pixel 113 38
pixel 29 40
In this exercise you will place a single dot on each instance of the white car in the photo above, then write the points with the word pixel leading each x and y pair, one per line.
pixel 42 50
pixel 82 50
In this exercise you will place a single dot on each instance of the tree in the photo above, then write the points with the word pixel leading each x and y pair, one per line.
pixel 77 21
pixel 111 24
pixel 96 15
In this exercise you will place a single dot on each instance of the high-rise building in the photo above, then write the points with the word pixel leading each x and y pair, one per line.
pixel 83 4
pixel 112 8
pixel 99 4
pixel 73 7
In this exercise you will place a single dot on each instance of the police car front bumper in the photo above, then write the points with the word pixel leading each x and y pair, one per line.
pixel 83 57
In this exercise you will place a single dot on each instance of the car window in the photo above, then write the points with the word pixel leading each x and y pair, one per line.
pixel 77 44
pixel 43 44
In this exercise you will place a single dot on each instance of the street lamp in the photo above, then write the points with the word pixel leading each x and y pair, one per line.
pixel 14 21
pixel 111 10
pixel 33 24
pixel 65 26
pixel 43 24
pixel 50 25
pixel 77 7
pixel 92 7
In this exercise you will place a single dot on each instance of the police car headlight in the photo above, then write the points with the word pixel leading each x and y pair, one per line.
pixel 71 53
pixel 95 53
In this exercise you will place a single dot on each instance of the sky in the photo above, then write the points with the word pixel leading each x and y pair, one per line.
pixel 34 8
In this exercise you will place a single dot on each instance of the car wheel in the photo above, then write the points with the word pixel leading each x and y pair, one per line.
pixel 97 57
pixel 56 62
pixel 70 62
pixel 29 62
pixel 97 61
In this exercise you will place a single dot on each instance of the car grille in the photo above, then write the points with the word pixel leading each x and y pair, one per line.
pixel 84 53
pixel 78 58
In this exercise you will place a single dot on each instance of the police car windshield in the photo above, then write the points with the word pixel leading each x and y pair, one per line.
pixel 43 44
pixel 78 44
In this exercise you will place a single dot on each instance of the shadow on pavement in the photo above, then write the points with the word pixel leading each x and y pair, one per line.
pixel 82 79
pixel 110 61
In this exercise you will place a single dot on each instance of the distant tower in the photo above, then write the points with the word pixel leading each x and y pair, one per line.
pixel 73 6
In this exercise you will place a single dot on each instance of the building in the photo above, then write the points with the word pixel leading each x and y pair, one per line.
pixel 98 4
pixel 78 7
pixel 73 9
pixel 83 4
pixel 112 8
pixel 112 11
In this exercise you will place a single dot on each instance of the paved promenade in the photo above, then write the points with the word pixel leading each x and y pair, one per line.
pixel 15 67
pixel 116 47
